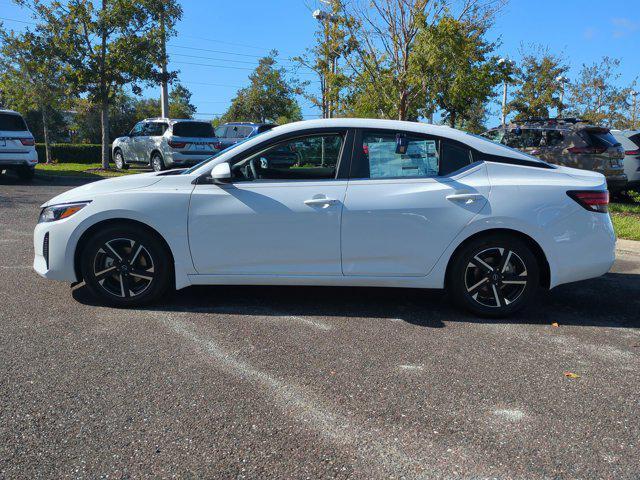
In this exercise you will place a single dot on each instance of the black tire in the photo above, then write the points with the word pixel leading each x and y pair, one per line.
pixel 126 266
pixel 157 163
pixel 118 160
pixel 481 282
pixel 26 173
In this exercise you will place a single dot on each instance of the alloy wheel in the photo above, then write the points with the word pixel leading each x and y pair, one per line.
pixel 123 267
pixel 119 161
pixel 495 277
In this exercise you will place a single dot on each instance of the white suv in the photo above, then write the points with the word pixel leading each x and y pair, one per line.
pixel 165 143
pixel 17 146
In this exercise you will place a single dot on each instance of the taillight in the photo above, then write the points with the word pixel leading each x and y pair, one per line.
pixel 592 200
pixel 632 152
pixel 173 144
pixel 587 150
pixel 28 142
pixel 218 146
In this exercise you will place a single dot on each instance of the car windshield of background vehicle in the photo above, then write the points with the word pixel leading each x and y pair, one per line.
pixel 194 129
pixel 313 157
pixel 419 160
pixel 10 122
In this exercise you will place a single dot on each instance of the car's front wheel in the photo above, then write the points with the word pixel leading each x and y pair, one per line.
pixel 125 266
pixel 494 276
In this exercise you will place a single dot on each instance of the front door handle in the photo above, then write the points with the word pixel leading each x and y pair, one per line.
pixel 466 198
pixel 323 201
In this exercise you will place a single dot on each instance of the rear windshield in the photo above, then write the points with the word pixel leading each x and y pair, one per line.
pixel 601 138
pixel 10 122
pixel 194 129
pixel 265 128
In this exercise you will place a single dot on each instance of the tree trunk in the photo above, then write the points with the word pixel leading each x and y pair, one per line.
pixel 452 119
pixel 402 106
pixel 45 128
pixel 104 115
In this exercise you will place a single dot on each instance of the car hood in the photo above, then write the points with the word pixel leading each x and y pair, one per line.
pixel 90 190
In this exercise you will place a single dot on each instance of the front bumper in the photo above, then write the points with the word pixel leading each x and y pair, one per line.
pixel 55 265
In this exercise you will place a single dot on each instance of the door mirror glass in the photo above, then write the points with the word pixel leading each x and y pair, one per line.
pixel 221 172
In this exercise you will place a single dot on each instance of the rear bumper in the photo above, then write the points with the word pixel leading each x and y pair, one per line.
pixel 183 160
pixel 28 159
pixel 617 182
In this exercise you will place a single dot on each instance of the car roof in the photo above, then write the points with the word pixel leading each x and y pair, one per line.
pixel 174 120
pixel 11 112
pixel 247 124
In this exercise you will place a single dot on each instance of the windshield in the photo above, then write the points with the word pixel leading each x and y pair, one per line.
pixel 10 122
pixel 193 129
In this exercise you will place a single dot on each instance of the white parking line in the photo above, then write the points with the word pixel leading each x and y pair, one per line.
pixel 372 446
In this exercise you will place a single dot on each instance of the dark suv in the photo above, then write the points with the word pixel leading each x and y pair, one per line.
pixel 232 132
pixel 570 142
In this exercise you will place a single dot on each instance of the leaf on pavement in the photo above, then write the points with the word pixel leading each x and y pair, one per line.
pixel 571 375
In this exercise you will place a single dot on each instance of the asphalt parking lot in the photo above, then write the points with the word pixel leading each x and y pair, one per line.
pixel 265 382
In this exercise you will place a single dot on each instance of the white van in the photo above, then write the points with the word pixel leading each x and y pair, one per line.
pixel 17 146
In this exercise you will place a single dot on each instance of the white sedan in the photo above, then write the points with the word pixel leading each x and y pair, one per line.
pixel 337 202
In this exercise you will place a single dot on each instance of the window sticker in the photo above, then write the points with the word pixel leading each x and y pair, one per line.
pixel 420 160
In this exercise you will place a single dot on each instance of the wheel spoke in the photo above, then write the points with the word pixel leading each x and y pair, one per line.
pixel 136 248
pixel 145 274
pixel 478 285
pixel 125 286
pixel 511 279
pixel 481 264
pixel 504 260
pixel 104 273
pixel 498 296
pixel 107 246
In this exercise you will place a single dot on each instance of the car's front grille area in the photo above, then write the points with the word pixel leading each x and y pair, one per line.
pixel 45 249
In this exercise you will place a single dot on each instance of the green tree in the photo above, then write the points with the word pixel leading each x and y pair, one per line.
pixel 538 90
pixel 269 97
pixel 455 59
pixel 106 45
pixel 31 77
pixel 595 96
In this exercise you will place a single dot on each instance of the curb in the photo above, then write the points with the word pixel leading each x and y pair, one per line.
pixel 629 247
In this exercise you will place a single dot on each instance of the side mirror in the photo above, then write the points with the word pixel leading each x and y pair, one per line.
pixel 221 172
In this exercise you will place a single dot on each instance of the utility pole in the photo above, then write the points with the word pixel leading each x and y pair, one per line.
pixel 164 89
pixel 634 111
pixel 506 67
pixel 562 80
pixel 330 58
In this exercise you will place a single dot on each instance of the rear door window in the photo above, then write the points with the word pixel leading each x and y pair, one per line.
pixel 221 131
pixel 155 129
pixel 10 122
pixel 601 137
pixel 244 132
pixel 194 129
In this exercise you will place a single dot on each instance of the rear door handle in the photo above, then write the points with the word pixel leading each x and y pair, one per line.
pixel 464 197
pixel 320 201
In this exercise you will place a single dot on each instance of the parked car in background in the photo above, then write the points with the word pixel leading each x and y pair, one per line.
pixel 233 132
pixel 165 143
pixel 570 142
pixel 630 140
pixel 369 203
pixel 17 146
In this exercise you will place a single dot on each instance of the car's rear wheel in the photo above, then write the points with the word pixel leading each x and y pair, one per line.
pixel 125 266
pixel 118 160
pixel 157 163
pixel 494 276
pixel 26 173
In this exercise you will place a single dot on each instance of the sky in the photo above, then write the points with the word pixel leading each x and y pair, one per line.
pixel 219 42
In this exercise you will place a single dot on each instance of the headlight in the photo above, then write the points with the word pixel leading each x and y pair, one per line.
pixel 58 212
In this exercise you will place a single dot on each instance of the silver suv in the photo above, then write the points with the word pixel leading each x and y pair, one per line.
pixel 17 147
pixel 165 143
